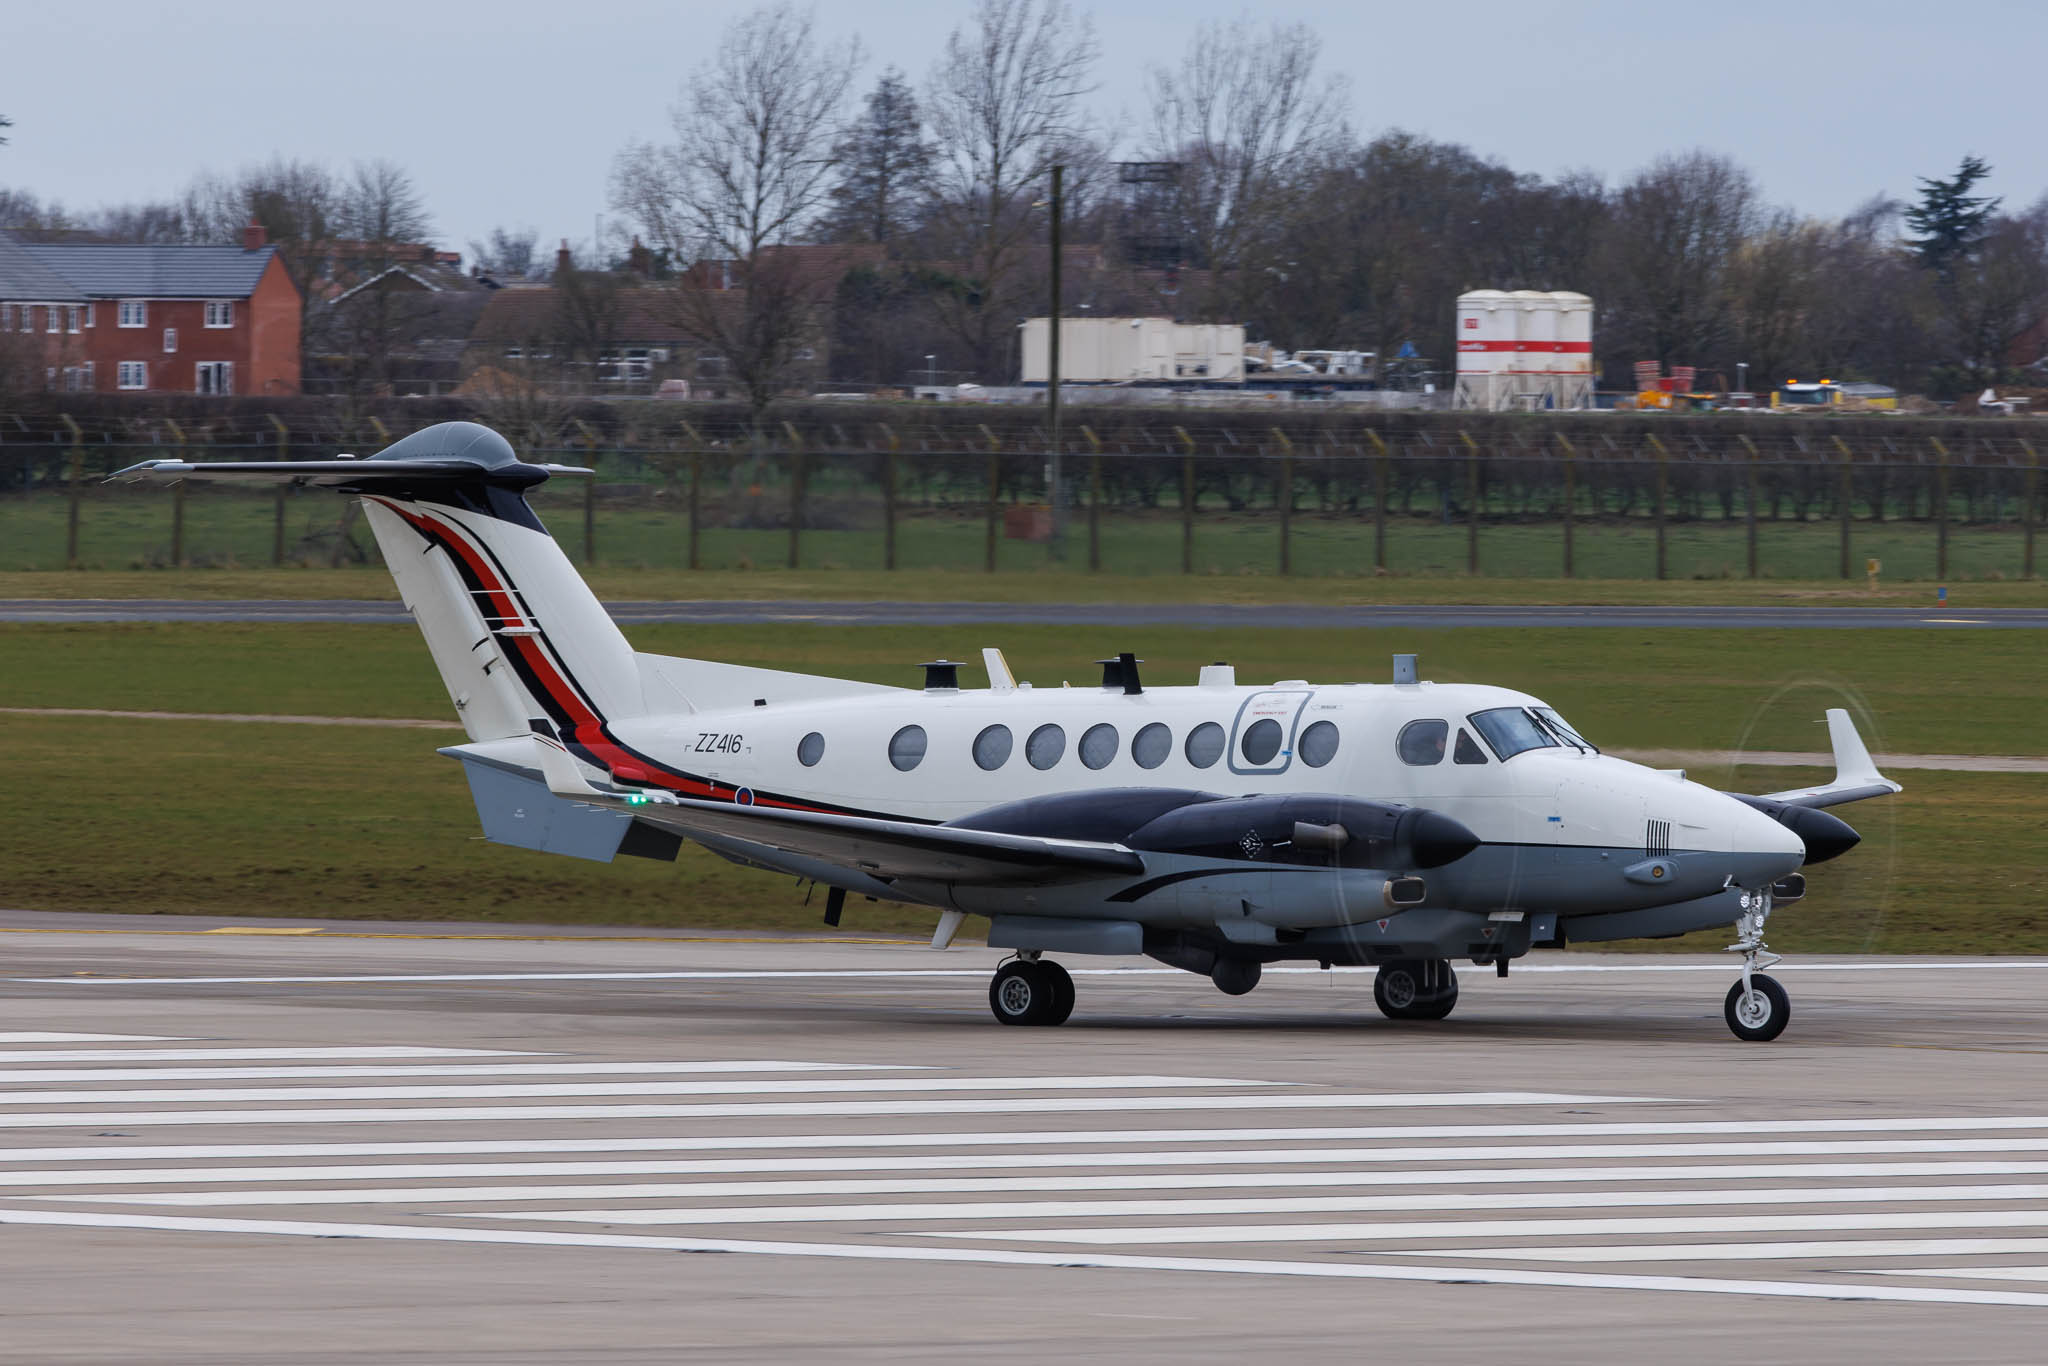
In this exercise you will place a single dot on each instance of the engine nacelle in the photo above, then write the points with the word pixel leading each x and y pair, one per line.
pixel 1313 828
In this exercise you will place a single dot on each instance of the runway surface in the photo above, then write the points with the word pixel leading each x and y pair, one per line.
pixel 224 1142
pixel 1081 614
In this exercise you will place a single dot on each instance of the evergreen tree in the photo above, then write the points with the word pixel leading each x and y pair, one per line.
pixel 1949 220
pixel 886 161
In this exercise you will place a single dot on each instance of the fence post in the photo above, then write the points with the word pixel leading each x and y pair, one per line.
pixel 1571 485
pixel 1379 500
pixel 284 452
pixel 1940 507
pixel 1750 446
pixel 1471 503
pixel 696 485
pixel 178 498
pixel 888 496
pixel 1662 488
pixel 995 485
pixel 2028 486
pixel 1284 496
pixel 74 466
pixel 1094 499
pixel 589 494
pixel 1187 501
pixel 797 477
pixel 1848 492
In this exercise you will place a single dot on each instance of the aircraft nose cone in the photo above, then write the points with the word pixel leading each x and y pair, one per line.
pixel 1439 840
pixel 1824 836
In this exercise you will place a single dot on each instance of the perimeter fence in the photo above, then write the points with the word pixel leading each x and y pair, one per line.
pixel 1540 498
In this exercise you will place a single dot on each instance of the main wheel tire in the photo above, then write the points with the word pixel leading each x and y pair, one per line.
pixel 1027 993
pixel 1759 1014
pixel 1061 1000
pixel 1415 989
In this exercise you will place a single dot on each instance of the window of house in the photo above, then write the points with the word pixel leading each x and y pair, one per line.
pixel 1151 745
pixel 214 377
pixel 28 317
pixel 78 378
pixel 71 318
pixel 134 374
pixel 50 318
pixel 992 748
pixel 170 340
pixel 220 312
pixel 6 317
pixel 134 313
pixel 88 315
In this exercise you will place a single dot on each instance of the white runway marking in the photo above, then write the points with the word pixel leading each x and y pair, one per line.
pixel 1477 1228
pixel 775 1214
pixel 805 1110
pixel 389 1171
pixel 515 1090
pixel 853 974
pixel 764 1142
pixel 71 1055
pixel 1977 1273
pixel 8 1036
pixel 1834 1249
pixel 1824 1290
pixel 21 1076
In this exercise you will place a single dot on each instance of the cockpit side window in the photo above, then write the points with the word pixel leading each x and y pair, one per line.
pixel 1421 743
pixel 1467 752
pixel 1564 731
pixel 1510 730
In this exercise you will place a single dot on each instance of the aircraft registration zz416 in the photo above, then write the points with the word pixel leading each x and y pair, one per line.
pixel 1216 827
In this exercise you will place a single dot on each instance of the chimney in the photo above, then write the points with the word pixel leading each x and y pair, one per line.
pixel 564 263
pixel 253 236
pixel 639 260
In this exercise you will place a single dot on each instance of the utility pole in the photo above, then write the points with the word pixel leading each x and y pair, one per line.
pixel 1052 382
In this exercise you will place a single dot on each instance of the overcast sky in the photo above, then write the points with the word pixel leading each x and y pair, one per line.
pixel 510 113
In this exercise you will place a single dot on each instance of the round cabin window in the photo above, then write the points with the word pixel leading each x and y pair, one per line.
pixel 1098 745
pixel 1151 745
pixel 992 748
pixel 1261 741
pixel 1318 744
pixel 1045 746
pixel 810 749
pixel 1205 744
pixel 906 748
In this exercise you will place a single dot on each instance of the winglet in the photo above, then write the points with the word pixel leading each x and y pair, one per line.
pixel 1853 764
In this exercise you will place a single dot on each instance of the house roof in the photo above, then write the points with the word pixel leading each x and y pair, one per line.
pixel 639 315
pixel 22 276
pixel 110 271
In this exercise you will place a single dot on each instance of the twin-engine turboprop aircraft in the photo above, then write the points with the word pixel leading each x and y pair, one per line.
pixel 1215 827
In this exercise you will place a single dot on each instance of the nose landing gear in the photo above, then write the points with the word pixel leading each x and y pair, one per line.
pixel 1757 1008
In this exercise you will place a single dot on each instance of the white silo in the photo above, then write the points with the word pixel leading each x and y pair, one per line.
pixel 1573 363
pixel 1488 333
pixel 1536 352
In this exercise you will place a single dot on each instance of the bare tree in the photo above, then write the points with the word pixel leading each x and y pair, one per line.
pixel 1246 116
pixel 1673 234
pixel 1004 102
pixel 750 167
pixel 508 252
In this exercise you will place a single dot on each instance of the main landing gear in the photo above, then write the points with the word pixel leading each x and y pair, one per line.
pixel 1029 990
pixel 1415 989
pixel 1757 1008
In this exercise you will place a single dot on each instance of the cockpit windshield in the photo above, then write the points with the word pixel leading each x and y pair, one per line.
pixel 1510 730
pixel 1564 731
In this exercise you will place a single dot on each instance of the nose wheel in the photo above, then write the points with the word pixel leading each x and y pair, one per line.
pixel 1757 1008
pixel 1031 991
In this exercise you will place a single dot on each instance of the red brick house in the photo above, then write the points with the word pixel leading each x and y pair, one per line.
pixel 113 317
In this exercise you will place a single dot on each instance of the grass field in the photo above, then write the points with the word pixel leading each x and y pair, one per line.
pixel 131 529
pixel 220 818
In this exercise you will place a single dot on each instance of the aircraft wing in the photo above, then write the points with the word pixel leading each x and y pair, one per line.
pixel 880 849
pixel 1856 775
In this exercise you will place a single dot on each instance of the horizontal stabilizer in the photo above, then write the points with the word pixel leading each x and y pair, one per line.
pixel 348 476
pixel 1856 775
